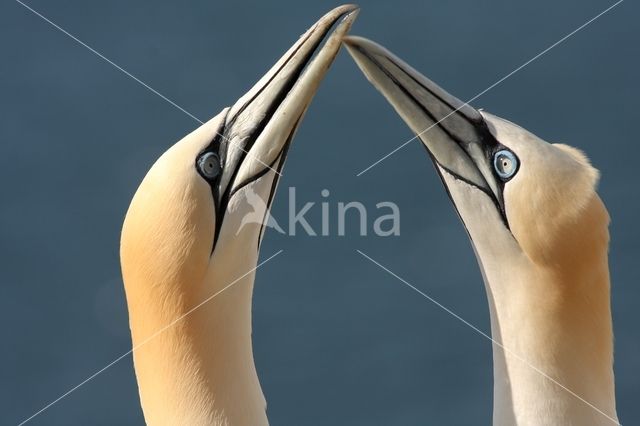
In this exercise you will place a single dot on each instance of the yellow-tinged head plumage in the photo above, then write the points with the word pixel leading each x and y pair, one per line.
pixel 551 203
pixel 169 229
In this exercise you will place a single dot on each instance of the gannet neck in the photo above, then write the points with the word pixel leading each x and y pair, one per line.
pixel 553 320
pixel 195 364
pixel 192 352
pixel 570 341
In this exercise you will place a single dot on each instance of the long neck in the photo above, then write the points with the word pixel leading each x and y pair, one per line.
pixel 197 370
pixel 555 322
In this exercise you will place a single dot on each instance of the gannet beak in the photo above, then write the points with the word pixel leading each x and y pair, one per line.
pixel 455 134
pixel 261 124
pixel 253 136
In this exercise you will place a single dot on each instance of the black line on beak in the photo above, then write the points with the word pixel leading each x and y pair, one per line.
pixel 486 140
pixel 281 159
pixel 275 103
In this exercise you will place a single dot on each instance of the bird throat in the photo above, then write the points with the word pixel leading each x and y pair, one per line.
pixel 193 355
pixel 553 356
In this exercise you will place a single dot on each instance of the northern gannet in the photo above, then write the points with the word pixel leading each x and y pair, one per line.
pixel 183 240
pixel 540 234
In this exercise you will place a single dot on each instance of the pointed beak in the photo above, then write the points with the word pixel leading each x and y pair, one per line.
pixel 261 124
pixel 455 134
pixel 254 134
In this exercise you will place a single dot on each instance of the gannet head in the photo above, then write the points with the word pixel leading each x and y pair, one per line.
pixel 185 218
pixel 515 193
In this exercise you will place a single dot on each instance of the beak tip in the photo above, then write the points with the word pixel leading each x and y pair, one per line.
pixel 363 46
pixel 349 13
pixel 351 40
pixel 348 8
pixel 362 51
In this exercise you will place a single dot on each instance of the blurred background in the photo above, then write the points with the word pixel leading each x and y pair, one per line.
pixel 337 340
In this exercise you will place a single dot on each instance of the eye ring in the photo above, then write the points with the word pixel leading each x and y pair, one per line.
pixel 209 165
pixel 506 164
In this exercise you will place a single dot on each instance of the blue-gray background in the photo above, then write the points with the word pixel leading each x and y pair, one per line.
pixel 337 340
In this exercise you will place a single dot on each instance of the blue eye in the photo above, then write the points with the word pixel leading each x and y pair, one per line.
pixel 505 163
pixel 209 165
